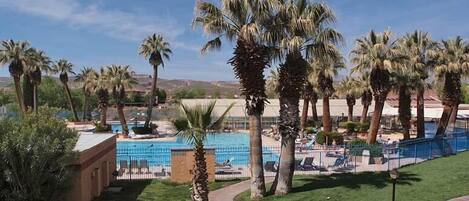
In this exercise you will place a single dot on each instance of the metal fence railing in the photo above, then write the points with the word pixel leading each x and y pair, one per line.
pixel 233 161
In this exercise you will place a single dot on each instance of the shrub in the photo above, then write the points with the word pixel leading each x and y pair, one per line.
pixel 357 146
pixel 142 130
pixel 38 149
pixel 310 130
pixel 321 138
pixel 355 126
pixel 102 129
pixel 364 127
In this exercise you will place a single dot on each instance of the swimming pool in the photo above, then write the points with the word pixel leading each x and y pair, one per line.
pixel 227 146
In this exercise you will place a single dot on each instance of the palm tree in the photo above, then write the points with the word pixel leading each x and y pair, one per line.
pixel 63 67
pixel 299 27
pixel 348 87
pixel 271 84
pixel 376 54
pixel 120 78
pixel 101 84
pixel 194 124
pixel 241 21
pixel 156 49
pixel 16 54
pixel 452 63
pixel 421 50
pixel 326 69
pixel 39 64
pixel 364 89
pixel 87 76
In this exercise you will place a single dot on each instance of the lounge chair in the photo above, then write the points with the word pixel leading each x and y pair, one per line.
pixel 298 164
pixel 144 165
pixel 308 164
pixel 226 164
pixel 134 165
pixel 270 166
pixel 123 165
pixel 340 162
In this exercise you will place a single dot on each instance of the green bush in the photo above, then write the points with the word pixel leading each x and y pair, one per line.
pixel 355 126
pixel 357 146
pixel 321 138
pixel 35 153
pixel 102 129
pixel 364 127
pixel 142 130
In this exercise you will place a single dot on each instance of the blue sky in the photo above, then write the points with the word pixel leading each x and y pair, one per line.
pixel 100 32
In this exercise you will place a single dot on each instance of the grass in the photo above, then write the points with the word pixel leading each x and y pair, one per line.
pixel 439 179
pixel 149 190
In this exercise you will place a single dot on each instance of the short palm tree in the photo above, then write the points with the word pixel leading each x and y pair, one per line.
pixel 64 68
pixel 376 54
pixel 156 49
pixel 39 64
pixel 348 87
pixel 421 50
pixel 299 32
pixel 452 64
pixel 194 124
pixel 87 76
pixel 366 96
pixel 101 84
pixel 16 54
pixel 120 78
pixel 242 21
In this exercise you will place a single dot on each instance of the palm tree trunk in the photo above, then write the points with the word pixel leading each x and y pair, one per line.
pixel 375 121
pixel 70 101
pixel 120 111
pixel 19 93
pixel 443 123
pixel 454 114
pixel 405 110
pixel 153 95
pixel 200 176
pixel 314 110
pixel 452 95
pixel 85 105
pixel 103 116
pixel 364 113
pixel 326 114
pixel 304 115
pixel 35 103
pixel 256 162
pixel 420 114
pixel 28 94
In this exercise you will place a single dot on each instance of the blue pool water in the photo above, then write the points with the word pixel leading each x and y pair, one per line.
pixel 227 146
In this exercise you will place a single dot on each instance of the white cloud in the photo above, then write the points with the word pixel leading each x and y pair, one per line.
pixel 114 23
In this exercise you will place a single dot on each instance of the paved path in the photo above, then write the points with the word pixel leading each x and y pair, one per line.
pixel 465 198
pixel 230 192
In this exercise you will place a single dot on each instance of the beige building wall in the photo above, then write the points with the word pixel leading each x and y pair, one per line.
pixel 182 163
pixel 93 171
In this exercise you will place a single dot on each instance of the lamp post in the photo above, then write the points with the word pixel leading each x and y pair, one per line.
pixel 394 174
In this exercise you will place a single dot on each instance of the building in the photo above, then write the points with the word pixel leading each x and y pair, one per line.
pixel 94 166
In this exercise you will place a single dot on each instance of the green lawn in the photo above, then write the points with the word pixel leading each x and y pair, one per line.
pixel 439 179
pixel 148 190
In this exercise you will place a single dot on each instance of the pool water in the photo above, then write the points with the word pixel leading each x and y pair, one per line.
pixel 227 146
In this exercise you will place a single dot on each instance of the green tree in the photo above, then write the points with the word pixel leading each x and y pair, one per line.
pixel 348 88
pixel 452 64
pixel 376 54
pixel 102 92
pixel 36 153
pixel 120 78
pixel 193 125
pixel 241 21
pixel 156 49
pixel 87 76
pixel 63 68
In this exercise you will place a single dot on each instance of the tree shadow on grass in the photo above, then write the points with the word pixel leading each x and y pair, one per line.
pixel 353 181
pixel 130 190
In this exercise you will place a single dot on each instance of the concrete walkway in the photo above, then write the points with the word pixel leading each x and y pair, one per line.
pixel 465 198
pixel 230 192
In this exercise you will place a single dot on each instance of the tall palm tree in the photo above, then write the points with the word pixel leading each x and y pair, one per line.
pixel 64 68
pixel 376 53
pixel 348 87
pixel 120 79
pixel 101 89
pixel 452 64
pixel 87 76
pixel 310 94
pixel 39 63
pixel 421 50
pixel 156 49
pixel 366 96
pixel 193 125
pixel 327 68
pixel 271 84
pixel 15 54
pixel 241 21
pixel 299 27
